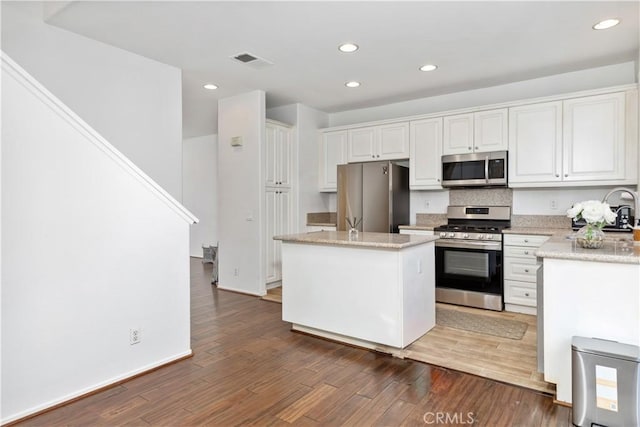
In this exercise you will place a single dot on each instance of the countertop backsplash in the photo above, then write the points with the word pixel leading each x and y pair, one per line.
pixel 430 220
pixel 322 218
pixel 540 221
pixel 481 197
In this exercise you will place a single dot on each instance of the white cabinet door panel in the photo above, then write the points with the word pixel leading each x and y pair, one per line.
pixel 490 130
pixel 271 155
pixel 284 156
pixel 394 142
pixel 425 163
pixel 272 270
pixel 362 144
pixel 594 138
pixel 333 152
pixel 458 134
pixel 535 143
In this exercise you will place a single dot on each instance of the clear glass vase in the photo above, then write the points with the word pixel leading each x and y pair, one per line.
pixel 590 237
pixel 353 233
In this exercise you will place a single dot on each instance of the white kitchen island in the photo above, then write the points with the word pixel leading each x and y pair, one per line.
pixel 376 291
pixel 593 293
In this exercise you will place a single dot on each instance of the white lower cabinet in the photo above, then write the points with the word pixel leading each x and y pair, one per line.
pixel 520 269
pixel 278 222
pixel 416 232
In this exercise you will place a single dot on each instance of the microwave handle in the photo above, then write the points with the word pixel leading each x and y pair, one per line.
pixel 486 169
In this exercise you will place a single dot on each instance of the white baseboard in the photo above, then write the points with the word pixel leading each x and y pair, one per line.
pixel 92 389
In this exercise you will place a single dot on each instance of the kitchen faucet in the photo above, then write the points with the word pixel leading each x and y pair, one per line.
pixel 634 195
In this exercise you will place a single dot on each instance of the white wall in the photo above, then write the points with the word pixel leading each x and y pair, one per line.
pixel 592 78
pixel 307 121
pixel 134 102
pixel 538 201
pixel 433 202
pixel 92 248
pixel 241 193
pixel 200 189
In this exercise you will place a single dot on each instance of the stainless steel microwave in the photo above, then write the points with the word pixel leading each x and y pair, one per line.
pixel 475 170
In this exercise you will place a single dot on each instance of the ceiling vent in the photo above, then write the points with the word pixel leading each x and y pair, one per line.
pixel 251 60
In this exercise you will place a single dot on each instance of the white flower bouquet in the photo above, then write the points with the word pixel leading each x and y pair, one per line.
pixel 596 214
pixel 593 212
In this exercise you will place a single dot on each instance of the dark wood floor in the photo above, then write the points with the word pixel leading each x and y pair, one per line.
pixel 249 368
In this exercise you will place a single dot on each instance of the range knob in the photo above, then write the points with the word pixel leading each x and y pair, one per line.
pixel 489 236
pixel 480 236
pixel 465 236
pixel 451 234
pixel 443 234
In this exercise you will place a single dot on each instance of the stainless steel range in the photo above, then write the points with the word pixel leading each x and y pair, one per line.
pixel 469 267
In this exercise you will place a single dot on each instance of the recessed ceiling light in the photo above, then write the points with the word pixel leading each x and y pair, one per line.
pixel 428 67
pixel 352 84
pixel 607 23
pixel 210 86
pixel 348 47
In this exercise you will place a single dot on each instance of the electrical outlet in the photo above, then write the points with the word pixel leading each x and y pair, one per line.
pixel 236 272
pixel 134 336
pixel 426 203
pixel 554 204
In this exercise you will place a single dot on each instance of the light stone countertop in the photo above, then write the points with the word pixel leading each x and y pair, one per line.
pixel 364 239
pixel 616 249
pixel 321 224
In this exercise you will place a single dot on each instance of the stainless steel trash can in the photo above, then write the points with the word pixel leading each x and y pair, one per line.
pixel 605 382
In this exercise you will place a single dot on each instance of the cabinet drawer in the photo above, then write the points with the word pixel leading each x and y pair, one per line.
pixel 522 269
pixel 520 252
pixel 416 232
pixel 524 240
pixel 520 293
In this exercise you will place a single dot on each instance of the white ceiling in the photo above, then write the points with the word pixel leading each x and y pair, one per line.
pixel 475 44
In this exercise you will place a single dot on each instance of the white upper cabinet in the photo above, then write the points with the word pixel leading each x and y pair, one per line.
pixel 535 143
pixel 594 137
pixel 385 142
pixel 490 130
pixel 458 134
pixel 590 140
pixel 425 163
pixel 363 144
pixel 477 132
pixel 278 155
pixel 333 152
pixel 582 139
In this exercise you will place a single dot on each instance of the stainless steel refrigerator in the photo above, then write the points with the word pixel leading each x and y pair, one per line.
pixel 375 193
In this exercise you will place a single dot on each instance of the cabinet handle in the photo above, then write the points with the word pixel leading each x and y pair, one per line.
pixel 469 148
pixel 526 294
pixel 557 175
pixel 475 148
pixel 526 270
pixel 526 240
pixel 438 179
pixel 566 175
pixel 526 252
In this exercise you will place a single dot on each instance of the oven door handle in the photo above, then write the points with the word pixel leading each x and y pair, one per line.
pixel 486 169
pixel 496 246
